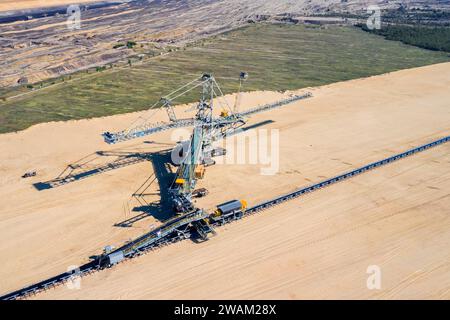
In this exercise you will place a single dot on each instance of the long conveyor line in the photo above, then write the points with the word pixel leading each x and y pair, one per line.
pixel 159 233
pixel 345 176
pixel 147 129
pixel 167 232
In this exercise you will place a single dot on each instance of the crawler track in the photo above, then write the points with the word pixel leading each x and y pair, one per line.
pixel 182 227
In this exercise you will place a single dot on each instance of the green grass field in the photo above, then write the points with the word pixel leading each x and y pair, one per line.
pixel 277 57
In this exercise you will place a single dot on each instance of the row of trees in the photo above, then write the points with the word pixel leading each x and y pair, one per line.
pixel 432 38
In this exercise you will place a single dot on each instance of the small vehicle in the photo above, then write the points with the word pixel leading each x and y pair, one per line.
pixel 29 174
pixel 199 193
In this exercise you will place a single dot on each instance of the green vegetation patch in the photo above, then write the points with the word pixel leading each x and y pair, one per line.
pixel 131 44
pixel 431 38
pixel 277 57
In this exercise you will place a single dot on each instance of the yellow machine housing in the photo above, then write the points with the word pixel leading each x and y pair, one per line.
pixel 199 171
pixel 229 207
pixel 179 181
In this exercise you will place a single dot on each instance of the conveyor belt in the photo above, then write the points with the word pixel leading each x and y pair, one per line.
pixel 165 233
pixel 274 105
pixel 350 174
pixel 151 238
pixel 145 130
pixel 148 129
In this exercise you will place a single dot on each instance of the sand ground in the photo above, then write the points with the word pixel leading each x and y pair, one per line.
pixel 395 217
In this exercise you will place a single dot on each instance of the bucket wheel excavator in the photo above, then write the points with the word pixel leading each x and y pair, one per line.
pixel 214 120
pixel 194 155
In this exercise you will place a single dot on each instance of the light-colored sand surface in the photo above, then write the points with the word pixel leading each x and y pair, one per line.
pixel 396 217
pixel 320 247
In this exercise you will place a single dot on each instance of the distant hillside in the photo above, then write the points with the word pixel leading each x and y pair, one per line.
pixel 48 48
pixel 251 6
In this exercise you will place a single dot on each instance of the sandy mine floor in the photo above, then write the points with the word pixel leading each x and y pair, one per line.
pixel 396 217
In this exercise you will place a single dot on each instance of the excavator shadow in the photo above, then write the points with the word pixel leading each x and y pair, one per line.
pixel 161 209
pixel 256 125
pixel 94 164
pixel 163 174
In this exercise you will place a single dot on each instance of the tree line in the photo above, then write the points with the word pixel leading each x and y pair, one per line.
pixel 431 38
